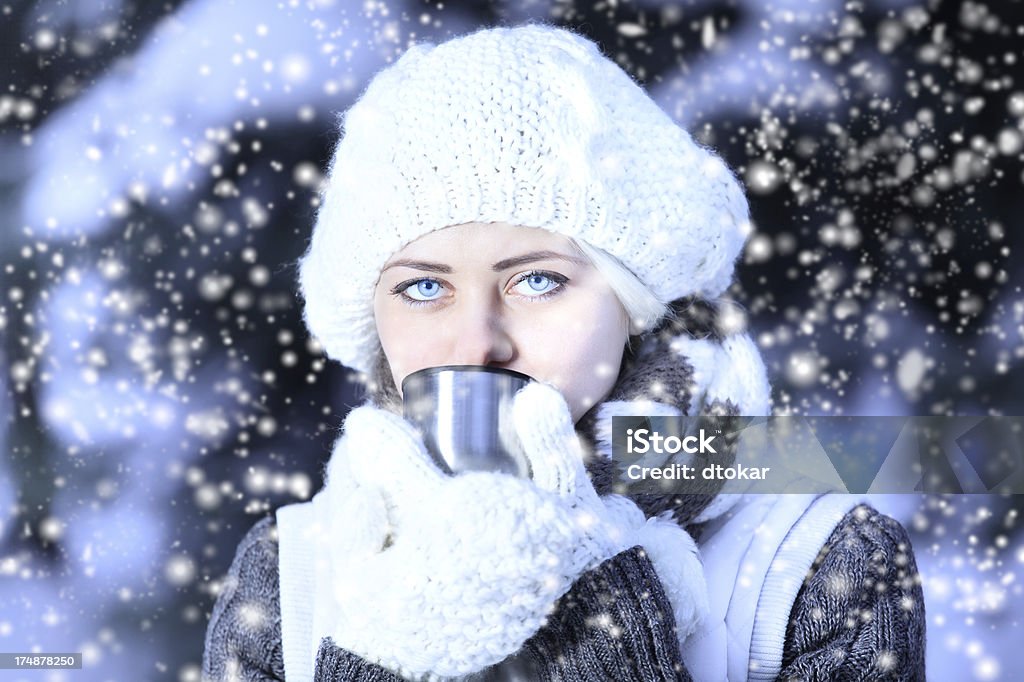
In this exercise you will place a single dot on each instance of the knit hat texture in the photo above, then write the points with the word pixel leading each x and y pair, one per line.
pixel 529 126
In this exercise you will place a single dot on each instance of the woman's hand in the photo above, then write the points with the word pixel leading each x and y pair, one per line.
pixel 544 425
pixel 450 574
pixel 441 575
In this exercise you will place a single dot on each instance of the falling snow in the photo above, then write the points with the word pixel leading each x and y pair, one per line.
pixel 161 164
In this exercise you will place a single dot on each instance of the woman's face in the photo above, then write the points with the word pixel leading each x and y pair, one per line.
pixel 504 296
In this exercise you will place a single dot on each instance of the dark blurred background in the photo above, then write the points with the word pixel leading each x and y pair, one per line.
pixel 159 170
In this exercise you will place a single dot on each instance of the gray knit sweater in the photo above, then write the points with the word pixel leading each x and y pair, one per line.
pixel 858 616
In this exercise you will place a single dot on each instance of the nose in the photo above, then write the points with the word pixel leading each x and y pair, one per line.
pixel 482 336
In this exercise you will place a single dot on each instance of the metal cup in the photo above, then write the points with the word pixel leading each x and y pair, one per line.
pixel 465 415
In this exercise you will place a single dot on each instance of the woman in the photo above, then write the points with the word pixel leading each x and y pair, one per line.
pixel 512 199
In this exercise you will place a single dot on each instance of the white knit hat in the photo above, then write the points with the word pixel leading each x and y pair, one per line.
pixel 529 126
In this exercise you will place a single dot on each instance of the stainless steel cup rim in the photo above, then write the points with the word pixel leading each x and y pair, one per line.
pixel 463 368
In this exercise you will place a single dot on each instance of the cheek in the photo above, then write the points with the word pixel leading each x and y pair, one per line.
pixel 595 364
pixel 577 351
pixel 407 341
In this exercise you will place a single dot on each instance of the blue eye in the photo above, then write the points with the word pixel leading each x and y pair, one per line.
pixel 423 290
pixel 538 283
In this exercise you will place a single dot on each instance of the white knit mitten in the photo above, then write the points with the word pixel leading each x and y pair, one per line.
pixel 437 575
pixel 543 422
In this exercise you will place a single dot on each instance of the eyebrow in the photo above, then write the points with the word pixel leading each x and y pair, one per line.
pixel 419 265
pixel 516 261
pixel 504 264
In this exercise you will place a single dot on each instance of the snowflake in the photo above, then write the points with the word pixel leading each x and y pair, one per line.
pixel 886 660
pixel 252 615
